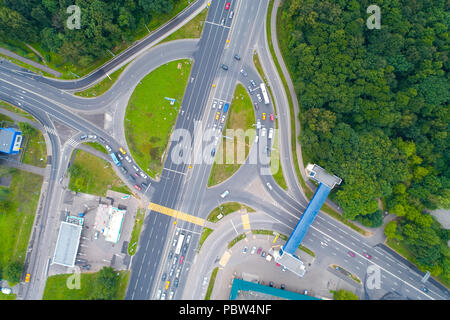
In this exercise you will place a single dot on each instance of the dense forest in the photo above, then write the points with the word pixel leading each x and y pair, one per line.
pixel 104 24
pixel 374 110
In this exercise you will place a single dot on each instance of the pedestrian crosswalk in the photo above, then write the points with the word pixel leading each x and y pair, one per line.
pixel 50 130
pixel 176 214
pixel 72 142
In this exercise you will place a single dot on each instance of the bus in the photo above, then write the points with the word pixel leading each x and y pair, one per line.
pixel 179 244
pixel 114 157
pixel 225 108
pixel 264 92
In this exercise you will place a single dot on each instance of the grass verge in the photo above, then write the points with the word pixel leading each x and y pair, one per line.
pixel 103 86
pixel 206 232
pixel 97 146
pixel 35 151
pixel 132 246
pixel 211 283
pixel 92 175
pixel 150 118
pixel 227 208
pixel 191 30
pixel 236 240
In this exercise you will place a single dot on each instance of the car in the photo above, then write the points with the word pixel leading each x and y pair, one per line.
pixel 84 136
pixel 144 185
pixel 244 251
pixel 143 175
pixel 368 256
pixel 258 124
pixel 131 178
pixel 253 250
pixel 170 255
pixel 188 238
pixel 263 254
pixel 351 254
pixel 184 249
pixel 283 269
pixel 119 156
pixel 253 82
pixel 175 259
pixel 282 287
pixel 223 119
pixel 122 151
pixel 259 97
pixel 172 270
pixel 271 284
pixel 305 292
pixel 263 132
pixel 181 259
pixel 171 295
pixel 92 136
pixel 259 251
pixel 124 170
pixel 108 148
pixel 216 141
pixel 425 289
pixel 256 139
pixel 164 277
pixel 250 90
pixel 214 105
pixel 217 115
pixel 137 187
pixel 128 159
pixel 224 194
pixel 177 275
pixel 269 186
pixel 167 285
pixel 227 6
pixel 136 174
pixel 224 67
pixel 272 117
pixel 236 56
pixel 174 243
pixel 222 22
pixel 270 133
pixel 87 267
pixel 230 16
pixel 96 235
pixel 205 281
pixel 163 296
pixel 135 168
pixel 220 104
pixel 268 151
pixel 175 282
pixel 256 106
pixel 213 152
pixel 158 294
pixel 243 72
pixel 264 116
pixel 27 278
pixel 102 140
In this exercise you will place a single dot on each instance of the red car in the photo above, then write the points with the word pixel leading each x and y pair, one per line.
pixel 137 187
pixel 351 254
pixel 181 259
pixel 259 250
pixel 368 256
pixel 271 117
pixel 227 6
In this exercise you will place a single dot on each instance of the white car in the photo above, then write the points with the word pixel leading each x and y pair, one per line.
pixel 253 250
pixel 263 132
pixel 135 168
pixel 259 97
pixel 224 194
pixel 92 136
pixel 269 186
pixel 143 175
pixel 158 295
pixel 163 297
pixel 214 105
pixel 128 159
pixel 270 133
pixel 258 124
pixel 220 104
pixel 108 148
pixel 171 295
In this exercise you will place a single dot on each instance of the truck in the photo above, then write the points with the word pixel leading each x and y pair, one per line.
pixel 114 158
pixel 179 244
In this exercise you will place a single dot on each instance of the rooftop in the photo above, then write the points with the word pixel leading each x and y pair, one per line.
pixel 67 244
pixel 317 173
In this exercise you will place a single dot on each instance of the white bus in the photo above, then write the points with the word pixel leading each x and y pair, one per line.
pixel 264 92
pixel 179 244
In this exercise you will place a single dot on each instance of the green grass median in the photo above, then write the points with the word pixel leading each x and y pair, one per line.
pixel 150 118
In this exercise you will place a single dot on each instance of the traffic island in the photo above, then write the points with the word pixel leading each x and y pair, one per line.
pixel 345 275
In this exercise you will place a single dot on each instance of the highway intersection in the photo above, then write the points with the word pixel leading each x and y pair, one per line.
pixel 182 187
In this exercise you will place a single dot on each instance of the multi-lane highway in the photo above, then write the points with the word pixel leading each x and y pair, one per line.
pixel 182 185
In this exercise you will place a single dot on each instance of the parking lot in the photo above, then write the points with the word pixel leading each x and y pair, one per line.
pixel 94 252
pixel 318 281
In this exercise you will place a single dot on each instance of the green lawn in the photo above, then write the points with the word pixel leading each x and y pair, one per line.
pixel 93 175
pixel 17 222
pixel 103 86
pixel 206 232
pixel 132 246
pixel 236 240
pixel 35 152
pixel 56 288
pixel 150 118
pixel 191 30
pixel 97 146
pixel 227 208
pixel 240 116
pixel 9 107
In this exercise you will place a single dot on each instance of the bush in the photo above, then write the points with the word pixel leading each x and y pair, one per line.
pixel 373 220
pixel 13 271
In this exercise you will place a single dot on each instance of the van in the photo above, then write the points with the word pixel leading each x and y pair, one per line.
pixel 270 133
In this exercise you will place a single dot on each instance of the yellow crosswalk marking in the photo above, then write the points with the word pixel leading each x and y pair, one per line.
pixel 176 214
pixel 245 222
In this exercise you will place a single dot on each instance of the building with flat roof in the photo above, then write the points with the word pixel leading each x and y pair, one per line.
pixel 108 221
pixel 67 244
pixel 10 140
pixel 245 290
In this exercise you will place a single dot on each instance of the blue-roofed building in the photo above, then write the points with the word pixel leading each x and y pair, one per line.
pixel 286 256
pixel 10 140
pixel 245 290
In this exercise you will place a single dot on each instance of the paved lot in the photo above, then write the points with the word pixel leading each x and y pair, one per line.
pixel 318 280
pixel 98 252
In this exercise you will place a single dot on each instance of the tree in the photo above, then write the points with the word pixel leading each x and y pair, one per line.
pixel 344 295
pixel 13 271
pixel 106 284
pixel 390 230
